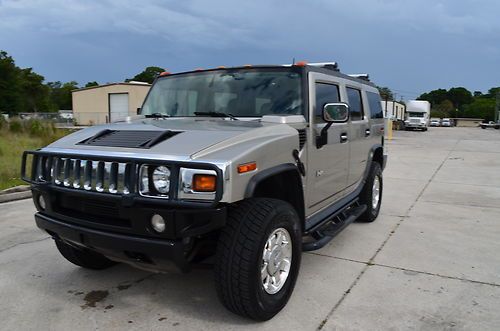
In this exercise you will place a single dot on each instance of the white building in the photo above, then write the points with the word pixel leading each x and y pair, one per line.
pixel 108 103
pixel 393 110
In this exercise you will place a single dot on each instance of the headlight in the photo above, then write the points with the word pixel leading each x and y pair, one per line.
pixel 161 179
pixel 154 181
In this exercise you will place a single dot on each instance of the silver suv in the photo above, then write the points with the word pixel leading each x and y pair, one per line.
pixel 243 168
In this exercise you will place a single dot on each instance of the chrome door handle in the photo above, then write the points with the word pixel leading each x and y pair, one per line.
pixel 367 132
pixel 343 137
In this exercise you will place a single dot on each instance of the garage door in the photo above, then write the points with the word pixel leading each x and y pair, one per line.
pixel 118 106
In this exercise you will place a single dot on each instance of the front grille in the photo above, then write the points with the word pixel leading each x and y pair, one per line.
pixel 90 210
pixel 84 174
pixel 302 138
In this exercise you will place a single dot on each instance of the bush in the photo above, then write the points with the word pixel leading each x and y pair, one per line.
pixel 3 122
pixel 35 127
pixel 16 126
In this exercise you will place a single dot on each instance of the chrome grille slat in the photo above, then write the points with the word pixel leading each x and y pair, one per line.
pixel 68 165
pixel 99 182
pixel 77 174
pixel 87 184
pixel 111 177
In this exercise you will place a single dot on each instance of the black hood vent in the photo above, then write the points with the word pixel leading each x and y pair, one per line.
pixel 128 138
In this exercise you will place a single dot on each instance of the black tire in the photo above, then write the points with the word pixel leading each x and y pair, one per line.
pixel 83 257
pixel 483 127
pixel 239 257
pixel 366 195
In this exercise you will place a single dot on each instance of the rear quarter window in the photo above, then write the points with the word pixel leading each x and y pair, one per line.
pixel 374 102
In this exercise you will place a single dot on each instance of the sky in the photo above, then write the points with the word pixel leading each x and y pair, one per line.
pixel 411 46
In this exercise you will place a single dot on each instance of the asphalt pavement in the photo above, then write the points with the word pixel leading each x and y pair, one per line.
pixel 429 262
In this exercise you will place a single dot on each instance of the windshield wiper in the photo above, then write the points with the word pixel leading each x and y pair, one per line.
pixel 215 114
pixel 156 115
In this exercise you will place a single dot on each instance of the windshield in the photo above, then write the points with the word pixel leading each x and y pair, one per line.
pixel 242 93
pixel 414 114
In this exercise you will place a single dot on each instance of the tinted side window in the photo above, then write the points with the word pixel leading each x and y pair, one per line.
pixel 325 93
pixel 355 104
pixel 374 101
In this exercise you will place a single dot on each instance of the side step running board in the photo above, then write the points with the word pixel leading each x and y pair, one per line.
pixel 333 227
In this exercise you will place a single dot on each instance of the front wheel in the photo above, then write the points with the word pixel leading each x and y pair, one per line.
pixel 258 257
pixel 83 257
pixel 371 195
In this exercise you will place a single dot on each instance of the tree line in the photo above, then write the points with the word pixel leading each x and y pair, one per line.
pixel 24 91
pixel 456 102
pixel 460 102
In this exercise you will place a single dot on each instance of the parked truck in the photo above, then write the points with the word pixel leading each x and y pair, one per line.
pixel 246 166
pixel 417 115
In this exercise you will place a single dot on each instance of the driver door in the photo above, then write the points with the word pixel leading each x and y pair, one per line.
pixel 328 164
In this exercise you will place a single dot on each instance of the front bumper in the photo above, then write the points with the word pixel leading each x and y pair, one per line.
pixel 145 253
pixel 121 229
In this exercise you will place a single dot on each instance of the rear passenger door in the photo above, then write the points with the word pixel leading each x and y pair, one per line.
pixel 359 135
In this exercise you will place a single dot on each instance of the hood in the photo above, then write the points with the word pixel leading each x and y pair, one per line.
pixel 190 136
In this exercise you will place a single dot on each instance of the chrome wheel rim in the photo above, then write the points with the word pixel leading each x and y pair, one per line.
pixel 375 192
pixel 276 261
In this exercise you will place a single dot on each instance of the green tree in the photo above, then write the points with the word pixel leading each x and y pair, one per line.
pixel 435 97
pixel 35 93
pixel 385 93
pixel 481 108
pixel 92 84
pixel 60 94
pixel 10 85
pixel 445 108
pixel 492 92
pixel 460 97
pixel 148 75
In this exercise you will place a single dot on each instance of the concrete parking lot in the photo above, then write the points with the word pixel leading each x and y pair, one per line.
pixel 431 261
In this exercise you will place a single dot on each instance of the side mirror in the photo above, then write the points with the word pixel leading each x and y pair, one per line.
pixel 138 111
pixel 336 112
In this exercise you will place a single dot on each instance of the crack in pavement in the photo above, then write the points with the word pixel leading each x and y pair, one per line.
pixel 391 233
pixel 405 269
pixel 23 243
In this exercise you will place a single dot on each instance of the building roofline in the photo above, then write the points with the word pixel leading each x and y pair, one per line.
pixel 110 84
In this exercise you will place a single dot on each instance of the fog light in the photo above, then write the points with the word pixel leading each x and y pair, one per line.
pixel 158 223
pixel 41 202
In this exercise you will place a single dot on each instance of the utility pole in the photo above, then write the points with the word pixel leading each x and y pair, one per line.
pixel 497 108
pixel 386 97
pixel 393 103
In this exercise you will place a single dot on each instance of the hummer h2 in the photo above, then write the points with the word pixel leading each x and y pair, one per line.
pixel 241 167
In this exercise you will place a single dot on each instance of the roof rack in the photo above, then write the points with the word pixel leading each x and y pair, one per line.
pixel 361 76
pixel 327 65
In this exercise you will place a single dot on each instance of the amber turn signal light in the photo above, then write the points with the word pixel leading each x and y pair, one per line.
pixel 242 168
pixel 204 183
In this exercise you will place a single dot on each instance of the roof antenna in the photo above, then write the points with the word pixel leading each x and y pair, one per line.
pixel 293 61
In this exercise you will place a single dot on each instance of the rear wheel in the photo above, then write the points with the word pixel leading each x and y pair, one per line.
pixel 83 257
pixel 371 195
pixel 258 257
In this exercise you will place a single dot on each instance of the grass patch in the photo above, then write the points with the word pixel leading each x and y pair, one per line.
pixel 18 137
